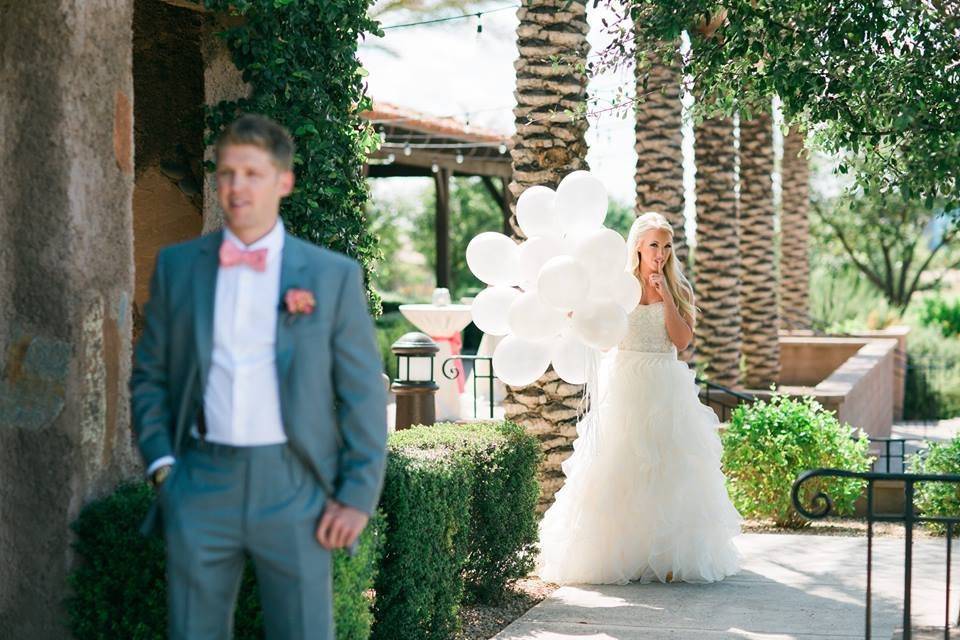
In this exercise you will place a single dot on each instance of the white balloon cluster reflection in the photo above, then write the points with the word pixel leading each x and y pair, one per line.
pixel 561 293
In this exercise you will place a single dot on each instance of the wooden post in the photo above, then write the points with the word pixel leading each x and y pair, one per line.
pixel 442 178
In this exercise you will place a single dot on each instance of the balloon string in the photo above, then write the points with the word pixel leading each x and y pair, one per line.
pixel 588 410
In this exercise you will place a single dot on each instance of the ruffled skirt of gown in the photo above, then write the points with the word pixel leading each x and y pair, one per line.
pixel 646 497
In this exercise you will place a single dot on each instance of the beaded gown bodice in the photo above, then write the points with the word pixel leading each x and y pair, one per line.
pixel 646 331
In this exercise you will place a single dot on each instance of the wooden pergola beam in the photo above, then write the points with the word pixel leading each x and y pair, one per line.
pixel 471 165
pixel 187 4
pixel 442 180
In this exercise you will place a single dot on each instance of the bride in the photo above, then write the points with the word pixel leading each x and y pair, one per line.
pixel 644 497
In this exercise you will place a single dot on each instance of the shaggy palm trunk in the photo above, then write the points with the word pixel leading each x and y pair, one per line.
pixel 718 252
pixel 795 236
pixel 760 322
pixel 549 144
pixel 659 175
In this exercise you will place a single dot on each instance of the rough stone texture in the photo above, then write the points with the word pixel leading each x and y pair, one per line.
pixel 795 235
pixel 66 281
pixel 718 252
pixel 221 81
pixel 760 321
pixel 549 144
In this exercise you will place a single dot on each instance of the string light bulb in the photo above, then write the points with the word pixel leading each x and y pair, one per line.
pixel 407 149
pixel 435 168
pixel 503 148
pixel 459 158
pixel 391 158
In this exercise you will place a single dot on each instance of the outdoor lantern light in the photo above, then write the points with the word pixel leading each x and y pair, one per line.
pixel 415 386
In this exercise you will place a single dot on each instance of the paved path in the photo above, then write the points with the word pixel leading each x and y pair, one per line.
pixel 799 587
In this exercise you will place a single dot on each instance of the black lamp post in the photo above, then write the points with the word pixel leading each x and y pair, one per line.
pixel 415 387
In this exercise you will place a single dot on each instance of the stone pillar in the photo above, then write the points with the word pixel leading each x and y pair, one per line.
pixel 66 280
pixel 221 81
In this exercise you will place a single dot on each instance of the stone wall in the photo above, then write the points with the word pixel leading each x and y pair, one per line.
pixel 66 281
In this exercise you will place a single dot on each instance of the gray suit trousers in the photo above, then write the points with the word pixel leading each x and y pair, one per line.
pixel 223 503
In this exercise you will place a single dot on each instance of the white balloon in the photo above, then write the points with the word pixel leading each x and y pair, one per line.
pixel 600 324
pixel 518 362
pixel 580 203
pixel 494 259
pixel 534 253
pixel 563 283
pixel 530 319
pixel 623 288
pixel 569 359
pixel 603 251
pixel 535 212
pixel 490 307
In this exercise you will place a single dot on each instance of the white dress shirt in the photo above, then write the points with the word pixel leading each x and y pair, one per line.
pixel 241 400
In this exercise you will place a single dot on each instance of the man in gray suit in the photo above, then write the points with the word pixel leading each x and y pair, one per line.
pixel 258 404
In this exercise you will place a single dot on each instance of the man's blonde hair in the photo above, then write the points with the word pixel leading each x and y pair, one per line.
pixel 263 133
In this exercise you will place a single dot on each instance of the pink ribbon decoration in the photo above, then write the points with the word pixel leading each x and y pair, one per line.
pixel 231 255
pixel 456 343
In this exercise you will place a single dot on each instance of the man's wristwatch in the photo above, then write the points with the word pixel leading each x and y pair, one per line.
pixel 158 476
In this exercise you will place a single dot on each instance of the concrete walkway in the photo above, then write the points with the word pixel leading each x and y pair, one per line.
pixel 801 587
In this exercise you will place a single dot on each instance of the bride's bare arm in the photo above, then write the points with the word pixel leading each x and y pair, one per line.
pixel 679 327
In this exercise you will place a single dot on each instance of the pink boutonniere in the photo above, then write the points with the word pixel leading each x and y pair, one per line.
pixel 299 301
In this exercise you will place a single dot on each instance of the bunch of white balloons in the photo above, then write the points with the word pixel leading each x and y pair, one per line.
pixel 561 293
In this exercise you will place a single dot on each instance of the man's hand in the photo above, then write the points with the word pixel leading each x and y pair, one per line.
pixel 340 526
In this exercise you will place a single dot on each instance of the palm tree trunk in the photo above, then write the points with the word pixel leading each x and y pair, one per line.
pixel 718 252
pixel 760 322
pixel 795 235
pixel 549 144
pixel 659 175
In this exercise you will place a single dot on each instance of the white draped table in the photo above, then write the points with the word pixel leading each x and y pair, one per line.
pixel 443 323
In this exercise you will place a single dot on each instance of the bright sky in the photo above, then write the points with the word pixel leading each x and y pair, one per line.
pixel 446 69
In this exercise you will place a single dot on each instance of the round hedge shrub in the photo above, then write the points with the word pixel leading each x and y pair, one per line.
pixel 938 498
pixel 769 443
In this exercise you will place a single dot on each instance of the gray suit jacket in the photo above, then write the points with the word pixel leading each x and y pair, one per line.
pixel 332 396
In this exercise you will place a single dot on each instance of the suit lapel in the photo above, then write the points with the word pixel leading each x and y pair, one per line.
pixel 204 295
pixel 292 276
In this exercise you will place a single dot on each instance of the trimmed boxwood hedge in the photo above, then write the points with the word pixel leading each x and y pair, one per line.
pixel 503 532
pixel 457 520
pixel 120 590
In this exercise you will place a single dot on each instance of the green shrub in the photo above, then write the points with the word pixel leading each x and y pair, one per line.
pixel 938 498
pixel 120 588
pixel 390 326
pixel 933 375
pixel 942 314
pixel 426 500
pixel 502 546
pixel 768 444
pixel 842 302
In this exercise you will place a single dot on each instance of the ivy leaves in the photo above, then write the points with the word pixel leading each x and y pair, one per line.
pixel 300 58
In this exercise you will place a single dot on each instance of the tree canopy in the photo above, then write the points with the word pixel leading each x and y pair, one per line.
pixel 874 79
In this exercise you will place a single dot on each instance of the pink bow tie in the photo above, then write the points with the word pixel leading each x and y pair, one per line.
pixel 231 255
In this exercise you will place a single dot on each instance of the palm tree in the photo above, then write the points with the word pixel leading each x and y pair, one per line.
pixel 760 322
pixel 718 252
pixel 659 175
pixel 549 144
pixel 794 235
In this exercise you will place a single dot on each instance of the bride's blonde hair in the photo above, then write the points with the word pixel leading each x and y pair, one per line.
pixel 677 284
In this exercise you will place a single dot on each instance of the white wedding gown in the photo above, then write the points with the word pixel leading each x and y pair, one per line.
pixel 645 497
